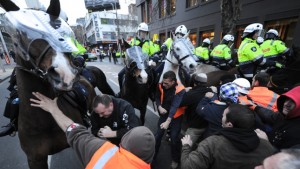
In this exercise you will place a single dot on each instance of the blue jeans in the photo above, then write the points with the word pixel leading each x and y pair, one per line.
pixel 175 136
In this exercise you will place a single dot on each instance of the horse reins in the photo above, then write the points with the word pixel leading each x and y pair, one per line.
pixel 36 71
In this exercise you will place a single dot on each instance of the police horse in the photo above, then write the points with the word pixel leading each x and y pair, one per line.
pixel 43 65
pixel 138 79
pixel 180 58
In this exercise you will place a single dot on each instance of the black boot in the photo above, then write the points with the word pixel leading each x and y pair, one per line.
pixel 9 129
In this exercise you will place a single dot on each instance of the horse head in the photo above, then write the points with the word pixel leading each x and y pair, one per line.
pixel 181 53
pixel 43 43
pixel 137 63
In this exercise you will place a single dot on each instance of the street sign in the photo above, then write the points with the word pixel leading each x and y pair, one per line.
pixel 101 5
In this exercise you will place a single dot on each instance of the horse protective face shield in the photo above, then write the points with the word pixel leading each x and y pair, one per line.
pixel 135 54
pixel 39 25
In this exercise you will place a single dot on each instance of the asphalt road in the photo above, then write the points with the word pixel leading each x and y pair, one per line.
pixel 12 156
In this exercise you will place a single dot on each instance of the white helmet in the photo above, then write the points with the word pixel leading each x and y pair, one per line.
pixel 260 40
pixel 275 32
pixel 206 40
pixel 181 30
pixel 251 28
pixel 228 38
pixel 243 85
pixel 143 27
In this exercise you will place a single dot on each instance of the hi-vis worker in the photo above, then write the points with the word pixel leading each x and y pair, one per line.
pixel 221 54
pixel 273 48
pixel 259 94
pixel 250 55
pixel 180 32
pixel 202 52
pixel 142 39
pixel 135 152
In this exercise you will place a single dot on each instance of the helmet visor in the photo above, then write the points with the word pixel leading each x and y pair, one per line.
pixel 135 54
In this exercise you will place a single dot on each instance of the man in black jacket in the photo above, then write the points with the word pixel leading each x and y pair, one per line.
pixel 196 124
pixel 112 118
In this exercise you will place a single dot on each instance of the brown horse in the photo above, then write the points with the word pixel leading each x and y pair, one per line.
pixel 138 80
pixel 43 65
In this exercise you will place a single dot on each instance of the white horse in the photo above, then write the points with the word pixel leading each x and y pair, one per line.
pixel 180 55
pixel 205 68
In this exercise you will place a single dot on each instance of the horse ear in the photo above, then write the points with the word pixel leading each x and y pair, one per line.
pixel 125 44
pixel 187 35
pixel 9 5
pixel 54 8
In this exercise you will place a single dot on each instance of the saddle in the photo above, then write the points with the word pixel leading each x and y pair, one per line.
pixel 78 98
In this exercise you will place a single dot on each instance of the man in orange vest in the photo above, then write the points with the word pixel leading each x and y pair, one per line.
pixel 260 94
pixel 168 93
pixel 135 152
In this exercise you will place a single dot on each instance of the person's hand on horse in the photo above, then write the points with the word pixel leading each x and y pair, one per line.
pixel 214 89
pixel 106 132
pixel 165 125
pixel 187 89
pixel 162 110
pixel 44 103
pixel 209 95
pixel 187 140
pixel 261 134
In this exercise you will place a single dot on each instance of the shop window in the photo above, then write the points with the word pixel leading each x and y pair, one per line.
pixel 285 28
pixel 191 3
pixel 193 38
pixel 207 34
pixel 166 8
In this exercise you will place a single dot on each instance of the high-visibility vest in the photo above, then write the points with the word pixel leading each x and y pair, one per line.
pixel 180 110
pixel 109 156
pixel 202 52
pixel 260 96
pixel 273 48
pixel 264 97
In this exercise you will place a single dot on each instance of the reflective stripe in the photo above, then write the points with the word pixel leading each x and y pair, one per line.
pixel 263 62
pixel 273 100
pixel 105 157
pixel 246 62
pixel 248 75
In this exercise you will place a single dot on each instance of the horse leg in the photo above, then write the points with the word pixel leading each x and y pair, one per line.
pixel 38 163
pixel 102 84
pixel 143 114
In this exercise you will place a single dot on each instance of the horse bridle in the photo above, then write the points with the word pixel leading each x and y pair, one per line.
pixel 177 57
pixel 36 70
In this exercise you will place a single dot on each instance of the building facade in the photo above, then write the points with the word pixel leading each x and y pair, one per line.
pixel 204 18
pixel 102 28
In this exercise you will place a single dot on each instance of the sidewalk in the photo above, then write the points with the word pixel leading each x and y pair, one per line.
pixel 8 70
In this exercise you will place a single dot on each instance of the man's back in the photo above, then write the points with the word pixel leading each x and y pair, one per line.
pixel 217 152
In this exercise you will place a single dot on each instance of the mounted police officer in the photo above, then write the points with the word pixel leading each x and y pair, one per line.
pixel 221 54
pixel 274 49
pixel 250 56
pixel 142 39
pixel 202 52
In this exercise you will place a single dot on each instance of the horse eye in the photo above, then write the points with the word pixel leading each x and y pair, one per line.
pixel 177 49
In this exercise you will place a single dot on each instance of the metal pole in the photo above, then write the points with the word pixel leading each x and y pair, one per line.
pixel 114 6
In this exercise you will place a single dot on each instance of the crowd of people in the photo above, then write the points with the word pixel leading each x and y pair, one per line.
pixel 238 124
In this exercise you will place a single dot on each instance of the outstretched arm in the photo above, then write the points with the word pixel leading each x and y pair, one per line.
pixel 50 106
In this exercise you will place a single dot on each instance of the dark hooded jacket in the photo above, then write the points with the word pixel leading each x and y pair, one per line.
pixel 229 148
pixel 286 129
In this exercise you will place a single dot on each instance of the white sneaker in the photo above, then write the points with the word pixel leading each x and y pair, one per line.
pixel 174 165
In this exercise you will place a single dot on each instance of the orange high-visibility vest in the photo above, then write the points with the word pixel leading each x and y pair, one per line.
pixel 109 156
pixel 180 110
pixel 264 97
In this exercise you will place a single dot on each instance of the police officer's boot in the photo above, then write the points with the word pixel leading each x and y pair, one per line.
pixel 9 129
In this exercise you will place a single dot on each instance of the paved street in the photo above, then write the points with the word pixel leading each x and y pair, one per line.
pixel 12 156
